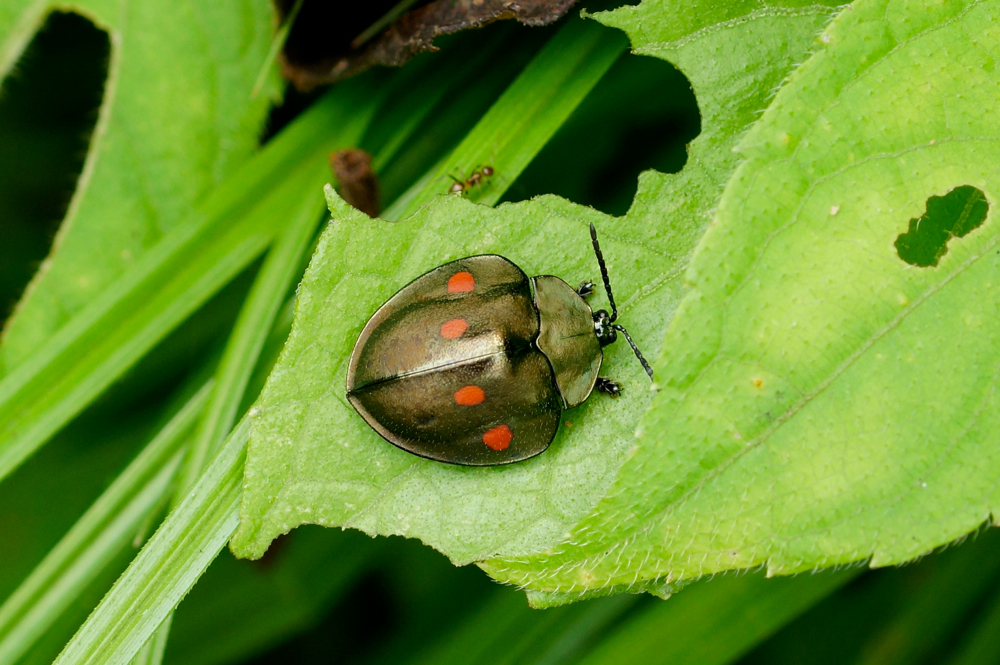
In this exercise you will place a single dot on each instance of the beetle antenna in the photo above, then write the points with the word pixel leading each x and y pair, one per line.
pixel 604 276
pixel 638 354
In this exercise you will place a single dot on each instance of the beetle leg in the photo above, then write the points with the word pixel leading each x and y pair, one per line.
pixel 586 289
pixel 608 387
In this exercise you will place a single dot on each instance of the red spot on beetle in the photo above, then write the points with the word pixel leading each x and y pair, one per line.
pixel 469 396
pixel 461 282
pixel 453 328
pixel 498 438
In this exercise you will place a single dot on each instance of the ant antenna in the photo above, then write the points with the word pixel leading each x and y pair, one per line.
pixel 638 354
pixel 604 274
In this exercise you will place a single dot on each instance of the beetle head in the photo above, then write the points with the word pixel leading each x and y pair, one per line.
pixel 606 333
pixel 604 324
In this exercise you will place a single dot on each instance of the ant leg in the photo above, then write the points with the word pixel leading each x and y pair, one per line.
pixel 586 289
pixel 608 387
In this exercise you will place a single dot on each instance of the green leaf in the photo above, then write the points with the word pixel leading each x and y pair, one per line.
pixel 821 400
pixel 152 156
pixel 188 265
pixel 358 264
pixel 339 472
pixel 19 20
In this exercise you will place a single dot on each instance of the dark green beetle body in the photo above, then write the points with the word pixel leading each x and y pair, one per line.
pixel 473 362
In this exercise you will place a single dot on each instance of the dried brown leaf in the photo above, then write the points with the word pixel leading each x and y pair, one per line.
pixel 412 33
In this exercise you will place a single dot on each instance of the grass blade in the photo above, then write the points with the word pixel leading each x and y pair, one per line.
pixel 249 334
pixel 715 621
pixel 188 266
pixel 168 565
pixel 98 535
pixel 526 116
pixel 238 361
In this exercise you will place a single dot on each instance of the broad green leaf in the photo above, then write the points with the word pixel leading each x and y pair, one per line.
pixel 313 460
pixel 358 264
pixel 821 400
pixel 188 265
pixel 19 20
pixel 152 156
pixel 339 472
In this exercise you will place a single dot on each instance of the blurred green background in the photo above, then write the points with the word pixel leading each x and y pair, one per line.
pixel 324 596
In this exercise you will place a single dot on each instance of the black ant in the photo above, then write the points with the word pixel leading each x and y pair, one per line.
pixel 475 179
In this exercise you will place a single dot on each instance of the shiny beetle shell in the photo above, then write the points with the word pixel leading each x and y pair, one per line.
pixel 473 362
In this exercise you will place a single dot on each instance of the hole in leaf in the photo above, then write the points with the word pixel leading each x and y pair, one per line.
pixel 48 108
pixel 641 115
pixel 953 215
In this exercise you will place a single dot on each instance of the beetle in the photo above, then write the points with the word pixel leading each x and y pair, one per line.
pixel 474 362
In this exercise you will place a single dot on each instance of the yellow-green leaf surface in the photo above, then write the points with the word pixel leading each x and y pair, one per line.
pixel 312 459
pixel 177 118
pixel 823 401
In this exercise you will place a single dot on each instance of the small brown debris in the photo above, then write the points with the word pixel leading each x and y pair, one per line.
pixel 356 181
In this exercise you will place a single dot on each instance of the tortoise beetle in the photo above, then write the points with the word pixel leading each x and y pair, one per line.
pixel 473 363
